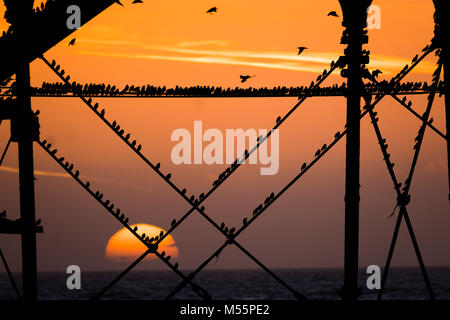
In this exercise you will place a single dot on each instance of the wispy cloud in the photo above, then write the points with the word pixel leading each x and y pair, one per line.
pixel 219 53
pixel 219 43
pixel 67 176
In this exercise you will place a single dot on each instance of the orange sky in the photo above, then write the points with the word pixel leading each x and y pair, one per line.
pixel 175 42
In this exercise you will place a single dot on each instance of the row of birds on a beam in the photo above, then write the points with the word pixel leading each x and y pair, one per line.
pixel 93 89
pixel 116 127
pixel 107 203
pixel 121 132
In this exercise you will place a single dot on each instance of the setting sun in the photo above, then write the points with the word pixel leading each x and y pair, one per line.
pixel 124 246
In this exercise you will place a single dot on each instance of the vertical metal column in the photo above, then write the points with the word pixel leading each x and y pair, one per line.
pixel 23 131
pixel 441 33
pixel 354 21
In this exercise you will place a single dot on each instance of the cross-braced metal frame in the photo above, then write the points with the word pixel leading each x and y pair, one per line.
pixel 353 67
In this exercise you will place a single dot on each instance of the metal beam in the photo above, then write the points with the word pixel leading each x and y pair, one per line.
pixel 22 128
pixel 354 22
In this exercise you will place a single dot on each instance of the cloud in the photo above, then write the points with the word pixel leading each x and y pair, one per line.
pixel 67 176
pixel 309 61
pixel 219 43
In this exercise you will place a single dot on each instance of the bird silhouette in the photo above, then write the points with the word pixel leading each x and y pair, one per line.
pixel 172 223
pixel 72 42
pixel 244 78
pixel 169 175
pixel 158 165
pixel 303 166
pixel 222 226
pixel 317 153
pixel 232 230
pixel 176 265
pixel 301 49
pixel 324 147
pixel 332 14
pixel 244 221
pixel 278 119
pixel 212 10
pixel 375 73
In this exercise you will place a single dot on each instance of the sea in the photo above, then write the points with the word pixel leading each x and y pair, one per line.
pixel 315 284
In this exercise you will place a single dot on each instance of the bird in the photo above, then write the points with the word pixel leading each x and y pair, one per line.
pixel 317 153
pixel 324 147
pixel 278 119
pixel 232 230
pixel 337 135
pixel 244 221
pixel 332 14
pixel 169 175
pixel 244 78
pixel 158 165
pixel 72 42
pixel 222 226
pixel 139 147
pixel 172 223
pixel 301 49
pixel 118 2
pixel 161 234
pixel 176 265
pixel 303 166
pixel 375 73
pixel 137 1
pixel 212 10
pixel 183 191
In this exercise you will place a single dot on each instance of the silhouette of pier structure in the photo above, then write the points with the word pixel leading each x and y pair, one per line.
pixel 360 86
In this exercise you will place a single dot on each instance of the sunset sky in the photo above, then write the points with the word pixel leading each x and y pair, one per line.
pixel 175 42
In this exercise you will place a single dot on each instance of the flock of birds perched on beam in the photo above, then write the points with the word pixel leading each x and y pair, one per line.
pixel 116 212
pixel 104 90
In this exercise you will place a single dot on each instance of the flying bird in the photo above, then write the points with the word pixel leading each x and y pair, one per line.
pixel 72 42
pixel 212 10
pixel 375 73
pixel 301 49
pixel 332 14
pixel 244 78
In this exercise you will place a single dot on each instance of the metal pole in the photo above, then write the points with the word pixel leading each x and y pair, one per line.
pixel 441 33
pixel 23 130
pixel 354 21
